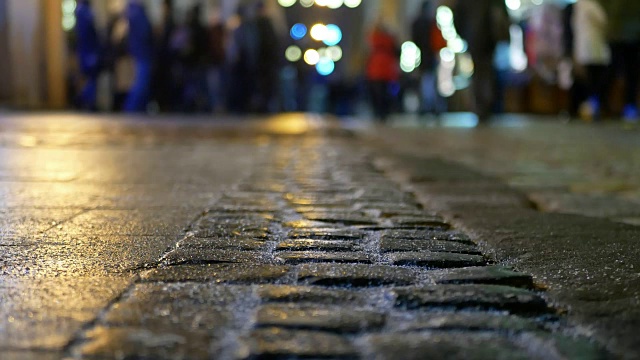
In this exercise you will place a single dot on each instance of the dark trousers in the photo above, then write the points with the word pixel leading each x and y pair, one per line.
pixel 381 99
pixel 626 57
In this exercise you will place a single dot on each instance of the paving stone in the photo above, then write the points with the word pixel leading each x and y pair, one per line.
pixel 167 316
pixel 31 355
pixel 318 317
pixel 347 218
pixel 308 209
pixel 495 297
pixel 241 208
pixel 191 255
pixel 461 321
pixel 419 221
pixel 326 234
pixel 425 235
pixel 396 245
pixel 321 245
pixel 354 275
pixel 543 344
pixel 437 260
pixel 294 344
pixel 219 273
pixel 305 224
pixel 136 343
pixel 434 345
pixel 495 275
pixel 233 231
pixel 246 244
pixel 225 217
pixel 311 294
pixel 319 200
pixel 301 257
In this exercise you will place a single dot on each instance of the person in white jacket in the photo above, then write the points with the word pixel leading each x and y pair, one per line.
pixel 591 52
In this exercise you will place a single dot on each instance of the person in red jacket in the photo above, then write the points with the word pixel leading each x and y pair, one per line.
pixel 383 70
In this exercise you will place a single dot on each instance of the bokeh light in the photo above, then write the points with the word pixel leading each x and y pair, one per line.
pixel 325 66
pixel 352 3
pixel 319 32
pixel 307 3
pixel 334 53
pixel 311 57
pixel 334 4
pixel 286 3
pixel 298 31
pixel 293 53
pixel 333 35
pixel 410 57
pixel 513 4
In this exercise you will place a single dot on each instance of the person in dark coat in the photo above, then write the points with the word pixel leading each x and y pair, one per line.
pixel 268 64
pixel 242 61
pixel 164 85
pixel 141 49
pixel 88 50
pixel 482 23
pixel 423 31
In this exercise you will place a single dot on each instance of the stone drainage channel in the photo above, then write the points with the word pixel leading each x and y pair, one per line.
pixel 317 254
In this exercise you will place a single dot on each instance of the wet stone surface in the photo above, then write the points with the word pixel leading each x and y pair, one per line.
pixel 314 254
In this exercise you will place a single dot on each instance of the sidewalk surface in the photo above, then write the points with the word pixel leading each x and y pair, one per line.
pixel 292 237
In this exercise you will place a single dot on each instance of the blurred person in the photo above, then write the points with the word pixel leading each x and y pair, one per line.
pixel 624 38
pixel 383 70
pixel 242 60
pixel 141 49
pixel 591 53
pixel 268 61
pixel 482 23
pixel 195 58
pixel 216 40
pixel 88 50
pixel 426 35
pixel 164 70
pixel 119 62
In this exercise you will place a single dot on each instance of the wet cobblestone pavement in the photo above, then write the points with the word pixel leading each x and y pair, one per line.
pixel 268 247
pixel 319 255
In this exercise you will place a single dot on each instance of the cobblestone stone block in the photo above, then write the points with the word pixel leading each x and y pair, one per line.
pixel 396 245
pixel 219 273
pixel 326 234
pixel 419 221
pixel 188 255
pixel 304 224
pixel 461 321
pixel 438 260
pixel 493 297
pixel 136 343
pixel 292 344
pixel 425 235
pixel 435 345
pixel 562 346
pixel 355 275
pixel 311 294
pixel 341 218
pixel 301 257
pixel 320 245
pixel 338 319
pixel 231 232
pixel 246 244
pixel 495 275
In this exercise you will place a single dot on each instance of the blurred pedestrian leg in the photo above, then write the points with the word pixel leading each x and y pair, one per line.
pixel 141 48
pixel 88 51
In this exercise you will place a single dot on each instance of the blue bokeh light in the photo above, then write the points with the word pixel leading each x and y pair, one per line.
pixel 298 31
pixel 334 35
pixel 325 66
